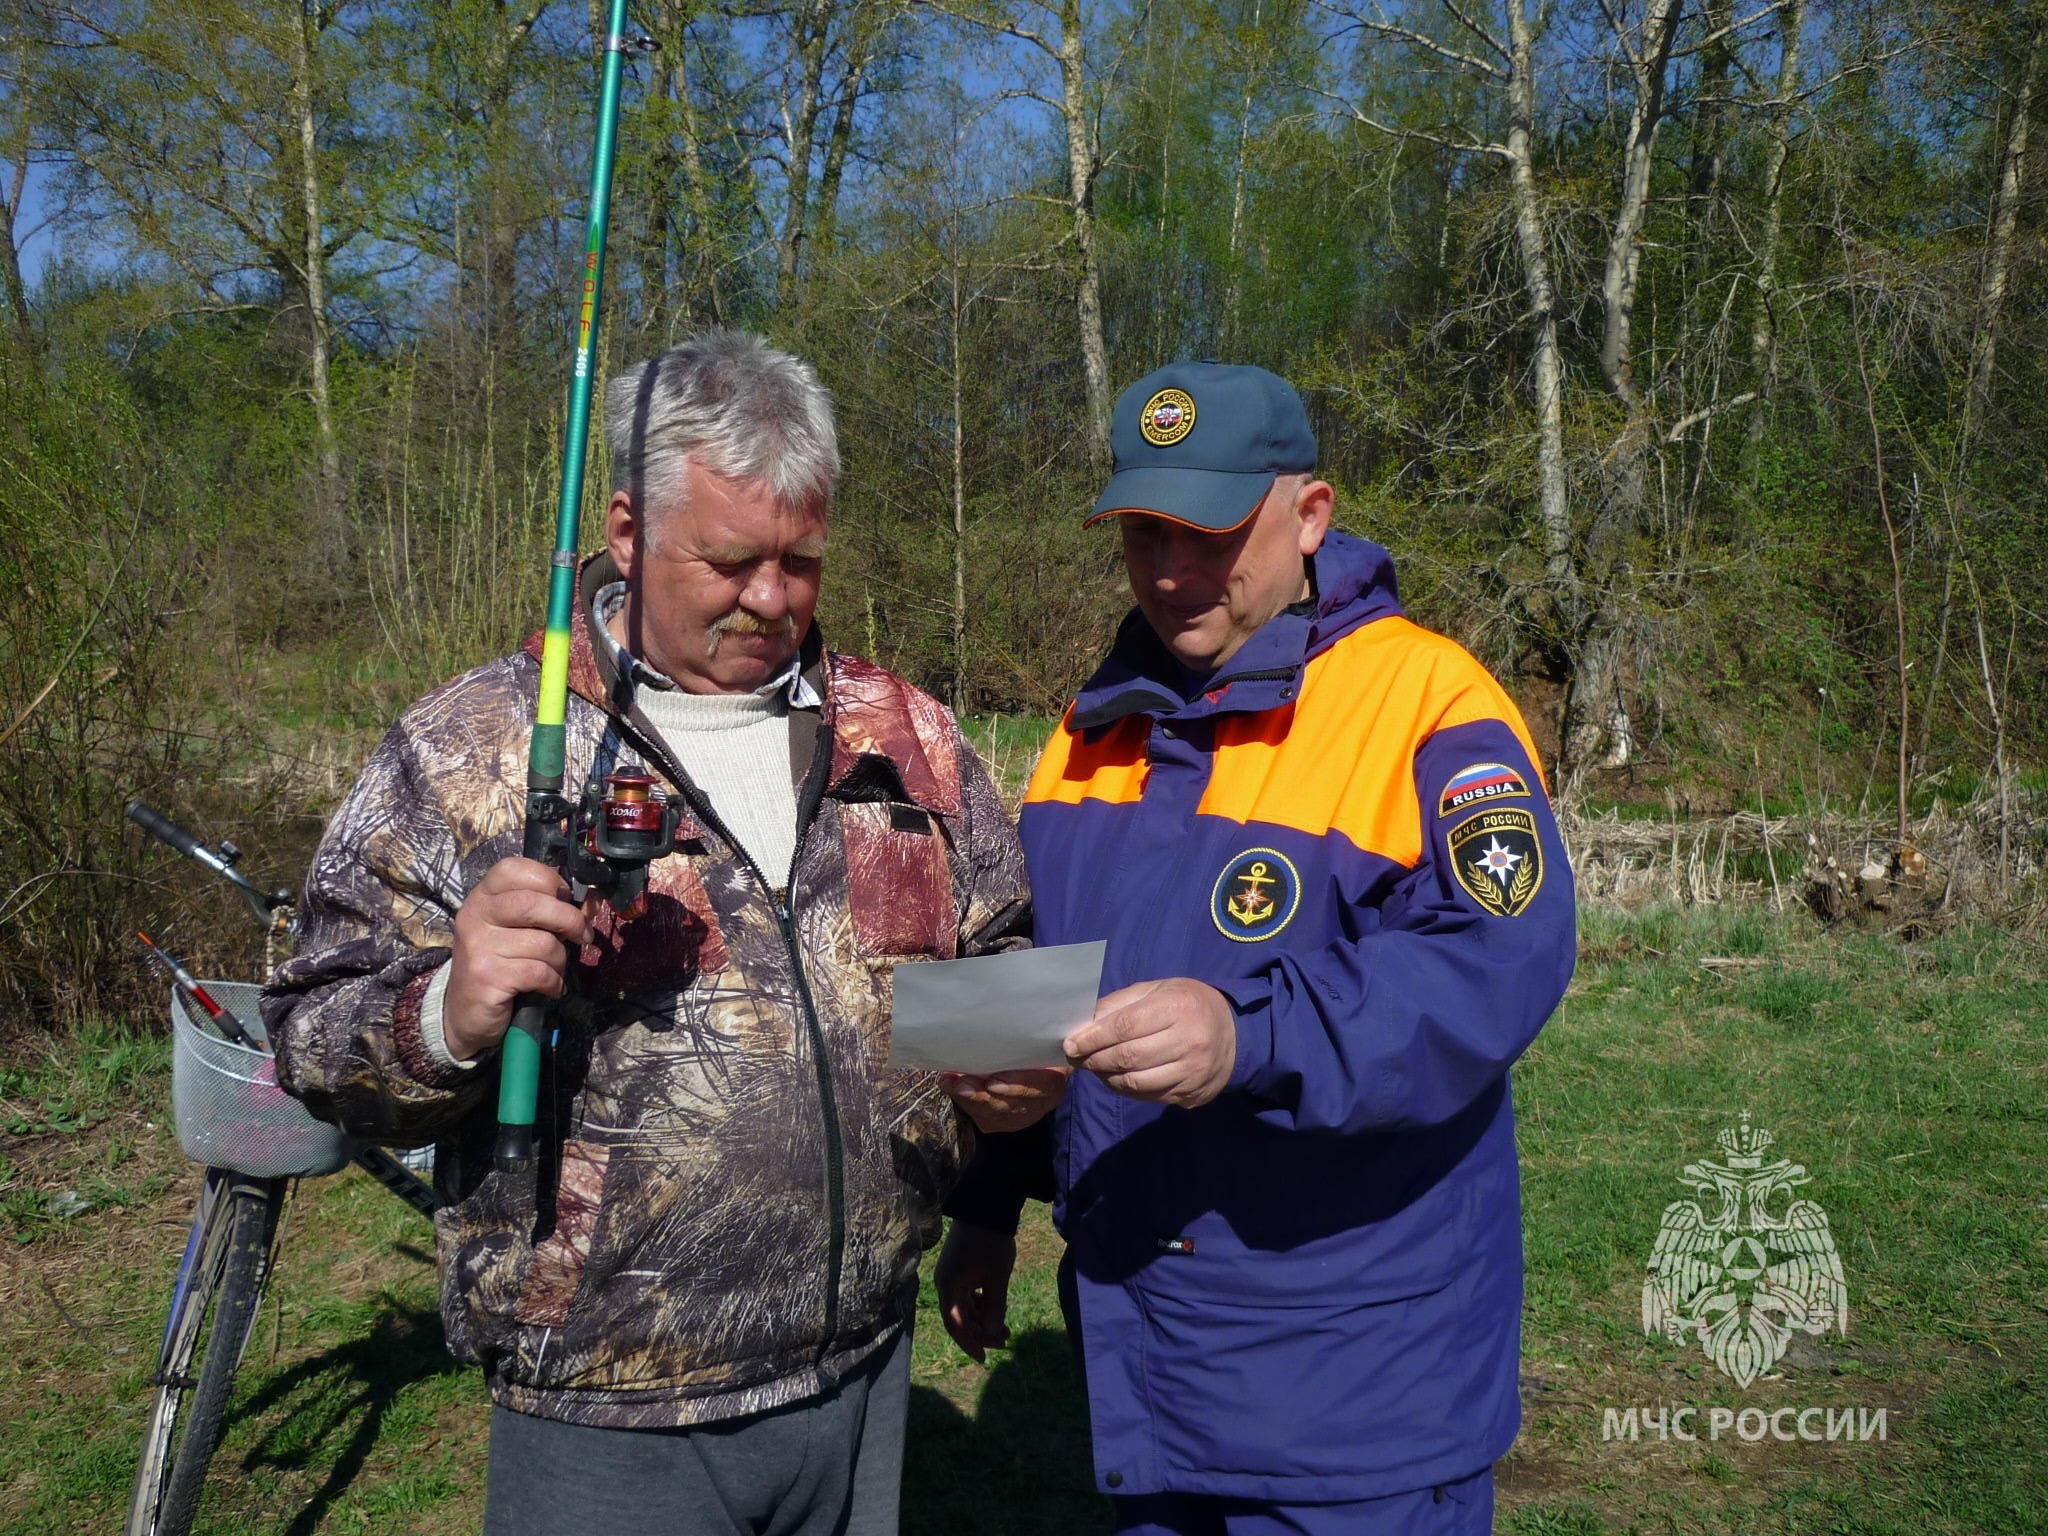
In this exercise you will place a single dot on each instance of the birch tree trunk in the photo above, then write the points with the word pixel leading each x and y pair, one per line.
pixel 812 25
pixel 1596 714
pixel 1235 292
pixel 1998 243
pixel 959 616
pixel 661 174
pixel 1710 118
pixel 1560 562
pixel 16 153
pixel 1763 336
pixel 1649 65
pixel 1991 295
pixel 860 54
pixel 305 29
pixel 1069 52
pixel 1700 378
pixel 1081 170
pixel 17 291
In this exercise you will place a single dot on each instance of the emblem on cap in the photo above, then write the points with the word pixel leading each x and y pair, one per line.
pixel 1167 418
pixel 1255 896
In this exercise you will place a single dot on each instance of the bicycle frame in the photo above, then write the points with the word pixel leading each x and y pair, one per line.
pixel 209 1195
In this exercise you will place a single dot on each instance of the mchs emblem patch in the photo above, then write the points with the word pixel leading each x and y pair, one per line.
pixel 1498 858
pixel 1482 782
pixel 1168 417
pixel 1255 896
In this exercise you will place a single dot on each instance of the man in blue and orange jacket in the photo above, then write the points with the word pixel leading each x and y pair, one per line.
pixel 1317 841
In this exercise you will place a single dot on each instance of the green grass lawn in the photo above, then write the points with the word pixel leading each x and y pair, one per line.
pixel 1910 1082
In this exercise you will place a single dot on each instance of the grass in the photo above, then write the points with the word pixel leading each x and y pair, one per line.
pixel 72 1123
pixel 1010 745
pixel 1909 1082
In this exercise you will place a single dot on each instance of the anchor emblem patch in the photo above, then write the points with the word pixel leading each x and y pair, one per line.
pixel 1255 896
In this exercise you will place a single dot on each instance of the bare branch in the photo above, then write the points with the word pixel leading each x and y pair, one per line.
pixel 1628 50
pixel 1000 25
pixel 1707 413
pixel 1733 27
pixel 1475 29
pixel 1461 146
pixel 1408 35
pixel 1021 93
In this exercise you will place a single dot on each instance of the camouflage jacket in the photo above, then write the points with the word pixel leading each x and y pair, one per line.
pixel 732 1188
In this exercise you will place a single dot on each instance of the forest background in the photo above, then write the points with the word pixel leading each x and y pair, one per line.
pixel 1687 353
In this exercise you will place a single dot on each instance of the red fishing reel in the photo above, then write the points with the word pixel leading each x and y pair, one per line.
pixel 619 830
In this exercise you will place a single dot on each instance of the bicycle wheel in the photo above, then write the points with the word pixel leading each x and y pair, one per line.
pixel 213 1313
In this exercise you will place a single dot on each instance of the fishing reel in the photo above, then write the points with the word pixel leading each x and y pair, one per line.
pixel 616 832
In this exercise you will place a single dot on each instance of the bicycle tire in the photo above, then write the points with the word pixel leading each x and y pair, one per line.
pixel 203 1346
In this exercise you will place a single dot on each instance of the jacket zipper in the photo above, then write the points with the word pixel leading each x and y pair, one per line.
pixel 828 1100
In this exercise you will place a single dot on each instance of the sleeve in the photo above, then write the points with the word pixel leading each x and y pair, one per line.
pixel 1007 1169
pixel 994 903
pixel 1410 1022
pixel 376 927
pixel 992 893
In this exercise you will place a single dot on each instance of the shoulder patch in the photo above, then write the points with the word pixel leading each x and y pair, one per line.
pixel 1497 856
pixel 1480 783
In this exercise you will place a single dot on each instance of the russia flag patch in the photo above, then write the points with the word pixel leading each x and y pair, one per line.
pixel 1481 784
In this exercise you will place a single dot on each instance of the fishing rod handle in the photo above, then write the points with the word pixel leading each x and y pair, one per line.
pixel 519 1085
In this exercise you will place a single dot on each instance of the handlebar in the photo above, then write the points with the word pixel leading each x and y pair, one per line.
pixel 165 830
pixel 220 860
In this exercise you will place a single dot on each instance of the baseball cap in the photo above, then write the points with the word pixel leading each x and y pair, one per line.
pixel 1202 443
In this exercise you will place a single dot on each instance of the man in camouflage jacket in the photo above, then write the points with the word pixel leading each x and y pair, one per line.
pixel 732 1188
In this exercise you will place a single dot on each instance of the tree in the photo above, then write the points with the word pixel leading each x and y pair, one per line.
pixel 830 45
pixel 1057 33
pixel 197 139
pixel 16 158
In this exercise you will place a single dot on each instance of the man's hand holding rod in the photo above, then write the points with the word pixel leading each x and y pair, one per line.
pixel 512 934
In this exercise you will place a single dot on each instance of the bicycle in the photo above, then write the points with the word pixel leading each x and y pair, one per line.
pixel 256 1142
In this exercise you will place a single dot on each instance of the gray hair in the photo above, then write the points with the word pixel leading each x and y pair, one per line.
pixel 738 407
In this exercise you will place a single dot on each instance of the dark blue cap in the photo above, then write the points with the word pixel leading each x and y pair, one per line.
pixel 1201 444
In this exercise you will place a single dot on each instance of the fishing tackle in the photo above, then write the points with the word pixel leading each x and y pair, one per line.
pixel 549 836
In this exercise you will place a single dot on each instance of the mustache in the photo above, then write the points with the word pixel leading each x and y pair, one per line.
pixel 743 621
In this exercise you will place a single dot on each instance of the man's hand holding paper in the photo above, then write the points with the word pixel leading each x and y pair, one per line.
pixel 992 1026
pixel 1007 1101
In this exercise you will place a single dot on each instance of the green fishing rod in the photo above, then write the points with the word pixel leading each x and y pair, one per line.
pixel 546 809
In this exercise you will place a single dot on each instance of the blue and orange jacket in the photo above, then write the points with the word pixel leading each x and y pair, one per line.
pixel 1308 1290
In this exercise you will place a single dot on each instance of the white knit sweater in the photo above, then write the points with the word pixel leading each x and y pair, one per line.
pixel 735 748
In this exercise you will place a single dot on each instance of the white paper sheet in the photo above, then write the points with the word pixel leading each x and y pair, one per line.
pixel 994 1013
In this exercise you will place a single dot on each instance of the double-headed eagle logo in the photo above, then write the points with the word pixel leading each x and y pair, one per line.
pixel 1758 1269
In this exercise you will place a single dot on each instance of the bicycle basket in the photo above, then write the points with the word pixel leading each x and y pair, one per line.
pixel 230 1111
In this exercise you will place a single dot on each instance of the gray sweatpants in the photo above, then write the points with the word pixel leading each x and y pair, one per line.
pixel 829 1466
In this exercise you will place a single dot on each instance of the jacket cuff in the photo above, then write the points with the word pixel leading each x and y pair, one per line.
pixel 1000 1177
pixel 408 1035
pixel 433 1029
pixel 992 1210
pixel 1251 1006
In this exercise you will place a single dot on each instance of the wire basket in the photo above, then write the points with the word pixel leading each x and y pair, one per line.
pixel 230 1111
